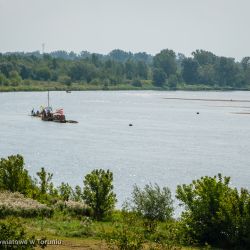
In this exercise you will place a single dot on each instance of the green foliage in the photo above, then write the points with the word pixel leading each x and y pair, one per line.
pixel 46 193
pixel 77 194
pixel 172 81
pixel 166 236
pixel 74 208
pixel 152 202
pixel 13 230
pixel 3 80
pixel 43 73
pixel 159 77
pixel 65 79
pixel 45 180
pixel 85 229
pixel 65 225
pixel 14 177
pixel 65 191
pixel 98 192
pixel 127 234
pixel 15 78
pixel 136 83
pixel 190 70
pixel 61 70
pixel 166 61
pixel 215 213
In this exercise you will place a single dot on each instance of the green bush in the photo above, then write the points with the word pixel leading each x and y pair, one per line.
pixel 45 191
pixel 152 202
pixel 215 213
pixel 74 208
pixel 136 83
pixel 65 191
pixel 13 176
pixel 98 192
pixel 127 234
pixel 167 236
pixel 11 231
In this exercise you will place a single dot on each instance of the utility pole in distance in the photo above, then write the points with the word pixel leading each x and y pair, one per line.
pixel 43 48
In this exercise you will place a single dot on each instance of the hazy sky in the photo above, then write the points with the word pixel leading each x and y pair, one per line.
pixel 220 26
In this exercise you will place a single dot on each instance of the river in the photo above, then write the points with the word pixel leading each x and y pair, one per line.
pixel 171 142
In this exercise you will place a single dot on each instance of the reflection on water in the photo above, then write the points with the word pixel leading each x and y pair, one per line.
pixel 169 143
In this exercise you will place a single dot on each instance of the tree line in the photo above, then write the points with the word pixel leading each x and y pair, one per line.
pixel 164 70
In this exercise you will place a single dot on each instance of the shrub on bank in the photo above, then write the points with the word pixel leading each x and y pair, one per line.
pixel 215 213
pixel 98 192
pixel 74 208
pixel 11 232
pixel 14 177
pixel 152 202
pixel 17 205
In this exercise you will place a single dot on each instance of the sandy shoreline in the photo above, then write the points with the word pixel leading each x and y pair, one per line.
pixel 203 99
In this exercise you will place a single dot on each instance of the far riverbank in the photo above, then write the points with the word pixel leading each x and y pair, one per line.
pixel 56 86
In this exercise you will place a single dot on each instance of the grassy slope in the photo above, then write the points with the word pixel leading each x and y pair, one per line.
pixel 70 231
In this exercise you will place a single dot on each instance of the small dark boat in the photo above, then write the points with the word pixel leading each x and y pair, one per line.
pixel 68 91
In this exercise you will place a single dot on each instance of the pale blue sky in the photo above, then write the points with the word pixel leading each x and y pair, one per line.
pixel 220 26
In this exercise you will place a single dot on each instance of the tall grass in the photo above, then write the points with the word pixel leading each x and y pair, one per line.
pixel 17 205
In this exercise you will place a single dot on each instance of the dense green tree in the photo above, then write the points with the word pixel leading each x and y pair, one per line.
pixel 13 176
pixel 25 71
pixel 142 70
pixel 172 81
pixel 245 62
pixel 82 71
pixel 143 57
pixel 166 60
pixel 3 80
pixel 159 77
pixel 204 57
pixel 120 55
pixel 6 67
pixel 65 191
pixel 98 192
pixel 43 73
pixel 215 213
pixel 190 70
pixel 15 78
pixel 207 74
pixel 130 69
pixel 77 194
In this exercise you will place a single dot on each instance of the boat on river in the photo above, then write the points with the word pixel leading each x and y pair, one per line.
pixel 47 114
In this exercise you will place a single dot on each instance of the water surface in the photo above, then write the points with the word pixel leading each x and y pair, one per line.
pixel 169 143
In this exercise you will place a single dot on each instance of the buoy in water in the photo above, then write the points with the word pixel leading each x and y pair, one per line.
pixel 130 124
pixel 197 113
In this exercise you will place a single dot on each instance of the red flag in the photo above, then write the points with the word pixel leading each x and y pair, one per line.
pixel 59 112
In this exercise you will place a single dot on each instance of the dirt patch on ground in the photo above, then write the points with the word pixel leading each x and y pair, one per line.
pixel 79 244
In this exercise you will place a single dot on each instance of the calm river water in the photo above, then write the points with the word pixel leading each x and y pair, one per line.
pixel 169 143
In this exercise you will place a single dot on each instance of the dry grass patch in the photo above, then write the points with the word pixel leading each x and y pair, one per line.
pixel 17 205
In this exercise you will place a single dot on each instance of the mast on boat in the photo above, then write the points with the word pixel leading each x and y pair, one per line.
pixel 48 98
